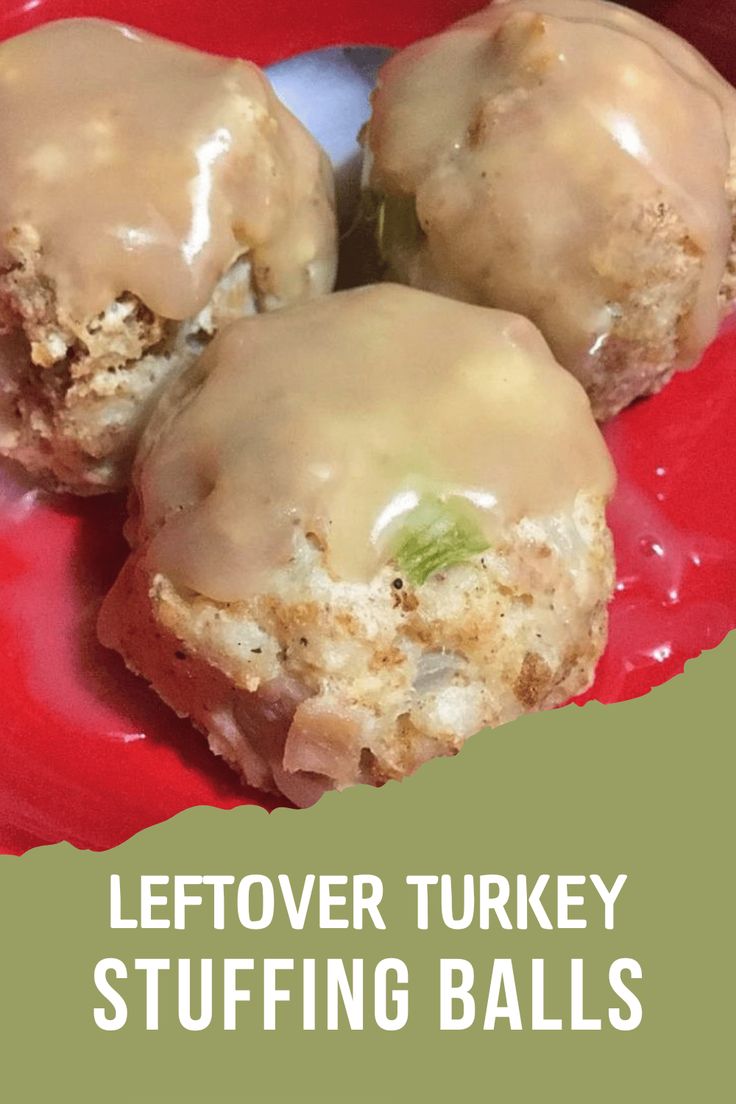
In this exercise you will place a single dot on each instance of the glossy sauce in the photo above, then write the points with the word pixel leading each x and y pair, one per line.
pixel 147 167
pixel 525 132
pixel 67 774
pixel 337 417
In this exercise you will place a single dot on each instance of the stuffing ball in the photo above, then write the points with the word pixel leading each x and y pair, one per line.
pixel 575 162
pixel 363 529
pixel 149 194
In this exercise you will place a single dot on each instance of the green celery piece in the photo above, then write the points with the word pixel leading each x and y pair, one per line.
pixel 395 220
pixel 434 536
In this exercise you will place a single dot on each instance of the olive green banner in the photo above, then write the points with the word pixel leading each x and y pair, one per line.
pixel 547 917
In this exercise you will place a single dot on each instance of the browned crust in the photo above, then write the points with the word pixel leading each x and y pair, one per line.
pixel 289 681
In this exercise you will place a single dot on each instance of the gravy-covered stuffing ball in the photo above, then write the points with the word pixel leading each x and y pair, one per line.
pixel 362 529
pixel 575 162
pixel 149 193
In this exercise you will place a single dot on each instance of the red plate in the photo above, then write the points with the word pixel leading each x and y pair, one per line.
pixel 88 754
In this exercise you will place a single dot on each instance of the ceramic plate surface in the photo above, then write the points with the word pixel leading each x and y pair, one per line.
pixel 87 753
